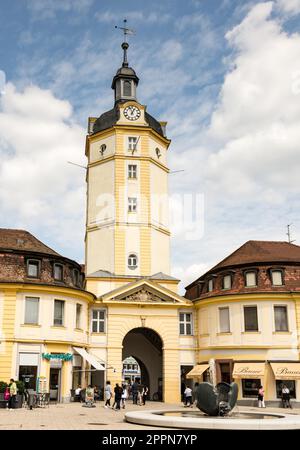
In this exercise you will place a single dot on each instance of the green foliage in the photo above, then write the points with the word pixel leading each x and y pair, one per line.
pixel 3 386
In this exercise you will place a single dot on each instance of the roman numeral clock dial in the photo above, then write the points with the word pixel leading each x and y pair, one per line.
pixel 132 112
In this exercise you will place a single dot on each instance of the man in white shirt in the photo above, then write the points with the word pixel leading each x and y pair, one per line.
pixel 188 396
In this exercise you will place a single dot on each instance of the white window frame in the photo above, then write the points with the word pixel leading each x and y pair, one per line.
pixel 38 314
pixel 98 320
pixel 227 275
pixel 36 263
pixel 64 312
pixel 210 285
pixel 131 171
pixel 185 323
pixel 132 143
pixel 282 277
pixel 62 271
pixel 131 256
pixel 256 278
pixel 80 316
pixel 287 317
pixel 132 204
pixel 229 321
pixel 258 319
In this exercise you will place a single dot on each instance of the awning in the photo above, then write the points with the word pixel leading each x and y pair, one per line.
pixel 197 371
pixel 286 371
pixel 89 358
pixel 248 370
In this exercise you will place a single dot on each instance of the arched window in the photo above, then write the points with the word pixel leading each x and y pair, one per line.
pixel 127 88
pixel 132 261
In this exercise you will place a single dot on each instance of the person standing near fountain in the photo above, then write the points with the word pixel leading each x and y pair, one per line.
pixel 188 397
pixel 260 397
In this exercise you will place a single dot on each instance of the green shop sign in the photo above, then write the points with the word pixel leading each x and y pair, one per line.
pixel 62 356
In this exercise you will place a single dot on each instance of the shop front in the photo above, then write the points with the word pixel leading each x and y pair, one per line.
pixel 286 374
pixel 249 376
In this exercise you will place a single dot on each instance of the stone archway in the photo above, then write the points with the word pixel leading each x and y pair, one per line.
pixel 146 346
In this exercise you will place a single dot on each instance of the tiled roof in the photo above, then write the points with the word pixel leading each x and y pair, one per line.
pixel 256 252
pixel 23 240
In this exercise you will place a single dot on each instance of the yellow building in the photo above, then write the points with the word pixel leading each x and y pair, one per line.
pixel 66 333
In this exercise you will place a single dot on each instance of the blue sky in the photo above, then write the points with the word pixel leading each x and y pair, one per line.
pixel 224 74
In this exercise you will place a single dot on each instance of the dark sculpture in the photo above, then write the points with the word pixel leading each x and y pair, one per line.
pixel 216 401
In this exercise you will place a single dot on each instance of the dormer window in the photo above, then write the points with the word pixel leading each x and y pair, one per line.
pixel 33 268
pixel 210 285
pixel 76 277
pixel 251 278
pixel 277 277
pixel 227 282
pixel 58 272
pixel 127 88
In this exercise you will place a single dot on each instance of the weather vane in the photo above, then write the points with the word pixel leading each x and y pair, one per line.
pixel 126 30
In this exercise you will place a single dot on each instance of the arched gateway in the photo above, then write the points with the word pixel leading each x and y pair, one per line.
pixel 146 346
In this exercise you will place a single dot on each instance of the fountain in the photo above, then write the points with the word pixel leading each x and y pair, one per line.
pixel 216 411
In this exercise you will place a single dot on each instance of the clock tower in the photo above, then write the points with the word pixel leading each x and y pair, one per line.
pixel 127 229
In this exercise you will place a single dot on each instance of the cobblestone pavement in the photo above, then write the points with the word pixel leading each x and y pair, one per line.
pixel 73 416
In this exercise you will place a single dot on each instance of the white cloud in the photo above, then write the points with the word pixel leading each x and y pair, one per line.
pixel 48 9
pixel 289 7
pixel 39 190
pixel 257 119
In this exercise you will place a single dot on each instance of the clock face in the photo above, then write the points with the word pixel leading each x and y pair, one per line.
pixel 132 112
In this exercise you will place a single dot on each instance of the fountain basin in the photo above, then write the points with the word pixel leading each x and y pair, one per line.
pixel 244 420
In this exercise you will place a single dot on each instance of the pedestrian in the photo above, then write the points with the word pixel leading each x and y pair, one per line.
pixel 89 396
pixel 285 394
pixel 6 396
pixel 134 391
pixel 77 393
pixel 124 396
pixel 260 397
pixel 188 397
pixel 12 394
pixel 107 394
pixel 144 394
pixel 118 395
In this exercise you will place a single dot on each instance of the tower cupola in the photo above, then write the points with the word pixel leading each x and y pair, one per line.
pixel 125 81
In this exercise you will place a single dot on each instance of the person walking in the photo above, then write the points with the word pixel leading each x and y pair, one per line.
pixel 134 391
pixel 144 394
pixel 285 393
pixel 6 396
pixel 118 395
pixel 124 396
pixel 12 394
pixel 188 397
pixel 260 397
pixel 107 394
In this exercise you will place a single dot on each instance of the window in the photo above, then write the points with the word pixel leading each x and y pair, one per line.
pixel 132 261
pixel 281 318
pixel 132 204
pixel 76 277
pixel 277 277
pixel 98 321
pixel 227 282
pixel 127 88
pixel 210 285
pixel 31 310
pixel 132 143
pixel 224 320
pixel 132 171
pixel 78 315
pixel 59 306
pixel 250 387
pixel 250 317
pixel 58 272
pixel 33 268
pixel 289 384
pixel 251 279
pixel 185 323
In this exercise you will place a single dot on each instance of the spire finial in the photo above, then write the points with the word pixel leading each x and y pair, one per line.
pixel 125 44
